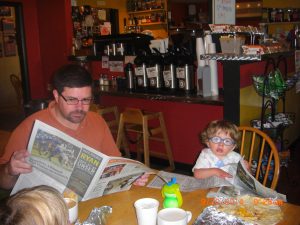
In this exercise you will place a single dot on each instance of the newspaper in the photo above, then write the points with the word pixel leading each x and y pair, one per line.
pixel 241 183
pixel 67 164
pixel 187 183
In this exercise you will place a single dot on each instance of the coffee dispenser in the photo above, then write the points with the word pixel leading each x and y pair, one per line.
pixel 154 71
pixel 129 77
pixel 169 72
pixel 185 73
pixel 140 73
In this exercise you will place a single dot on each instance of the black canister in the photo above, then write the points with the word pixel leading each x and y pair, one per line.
pixel 129 76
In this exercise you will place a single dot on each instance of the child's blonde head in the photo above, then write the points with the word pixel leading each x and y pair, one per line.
pixel 41 205
pixel 220 125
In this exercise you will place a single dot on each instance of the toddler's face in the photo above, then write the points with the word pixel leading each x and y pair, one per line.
pixel 226 144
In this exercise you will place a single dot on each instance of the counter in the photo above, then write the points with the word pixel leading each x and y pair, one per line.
pixel 163 96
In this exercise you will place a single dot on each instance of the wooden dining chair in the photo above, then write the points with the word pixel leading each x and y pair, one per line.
pixel 261 153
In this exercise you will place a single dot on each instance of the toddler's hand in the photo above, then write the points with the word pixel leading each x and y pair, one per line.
pixel 246 164
pixel 222 174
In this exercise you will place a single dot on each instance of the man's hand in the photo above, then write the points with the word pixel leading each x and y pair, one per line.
pixel 18 164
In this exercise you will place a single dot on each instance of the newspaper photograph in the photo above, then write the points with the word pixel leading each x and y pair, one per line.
pixel 65 163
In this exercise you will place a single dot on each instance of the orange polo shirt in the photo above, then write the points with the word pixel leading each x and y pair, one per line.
pixel 93 131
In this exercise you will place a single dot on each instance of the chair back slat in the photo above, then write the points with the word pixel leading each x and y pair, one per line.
pixel 260 149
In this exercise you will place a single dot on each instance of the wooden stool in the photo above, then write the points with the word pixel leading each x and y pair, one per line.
pixel 134 120
pixel 111 116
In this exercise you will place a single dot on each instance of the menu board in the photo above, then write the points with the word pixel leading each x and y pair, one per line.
pixel 224 11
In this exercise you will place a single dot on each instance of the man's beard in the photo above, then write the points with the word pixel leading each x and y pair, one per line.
pixel 76 116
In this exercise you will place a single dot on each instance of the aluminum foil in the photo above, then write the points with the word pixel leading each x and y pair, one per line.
pixel 211 216
pixel 97 216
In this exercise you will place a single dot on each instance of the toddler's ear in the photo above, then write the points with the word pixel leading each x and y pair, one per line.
pixel 207 144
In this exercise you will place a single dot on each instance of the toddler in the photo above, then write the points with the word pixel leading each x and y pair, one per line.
pixel 221 138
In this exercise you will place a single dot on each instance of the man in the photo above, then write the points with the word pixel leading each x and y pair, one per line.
pixel 69 112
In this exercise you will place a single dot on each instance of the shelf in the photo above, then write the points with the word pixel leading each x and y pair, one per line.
pixel 231 57
pixel 149 24
pixel 248 15
pixel 278 23
pixel 146 11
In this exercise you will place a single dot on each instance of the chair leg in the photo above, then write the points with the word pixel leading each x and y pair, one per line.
pixel 139 147
pixel 166 141
pixel 121 139
pixel 146 143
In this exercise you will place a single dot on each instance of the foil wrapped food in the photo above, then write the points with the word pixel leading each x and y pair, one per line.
pixel 244 210
pixel 97 216
pixel 212 216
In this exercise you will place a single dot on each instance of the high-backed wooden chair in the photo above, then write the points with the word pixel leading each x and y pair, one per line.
pixel 259 149
pixel 111 116
pixel 143 124
pixel 17 85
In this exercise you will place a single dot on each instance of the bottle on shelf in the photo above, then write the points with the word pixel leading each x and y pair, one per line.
pixel 297 37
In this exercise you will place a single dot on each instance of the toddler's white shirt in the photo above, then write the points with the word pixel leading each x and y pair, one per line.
pixel 207 159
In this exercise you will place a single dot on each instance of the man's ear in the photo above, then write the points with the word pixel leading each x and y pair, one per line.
pixel 55 94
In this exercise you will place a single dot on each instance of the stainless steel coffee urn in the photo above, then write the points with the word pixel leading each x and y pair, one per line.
pixel 154 72
pixel 129 77
pixel 169 73
pixel 140 73
pixel 185 75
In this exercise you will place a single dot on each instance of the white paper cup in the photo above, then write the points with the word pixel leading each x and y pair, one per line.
pixel 173 216
pixel 73 209
pixel 146 211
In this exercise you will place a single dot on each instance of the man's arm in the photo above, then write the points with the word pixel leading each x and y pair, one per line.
pixel 10 171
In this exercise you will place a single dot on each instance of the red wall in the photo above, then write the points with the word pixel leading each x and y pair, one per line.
pixel 183 121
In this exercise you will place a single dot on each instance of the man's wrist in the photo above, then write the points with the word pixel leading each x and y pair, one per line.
pixel 7 171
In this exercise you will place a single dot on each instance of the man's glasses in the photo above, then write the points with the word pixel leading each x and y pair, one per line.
pixel 226 141
pixel 75 101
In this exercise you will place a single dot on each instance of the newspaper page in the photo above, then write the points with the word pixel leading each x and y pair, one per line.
pixel 187 183
pixel 243 183
pixel 65 163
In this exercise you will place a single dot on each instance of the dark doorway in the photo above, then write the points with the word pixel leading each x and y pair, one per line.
pixel 13 60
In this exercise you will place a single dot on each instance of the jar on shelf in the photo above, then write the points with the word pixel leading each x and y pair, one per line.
pixel 265 15
pixel 288 13
pixel 272 15
pixel 296 15
pixel 279 15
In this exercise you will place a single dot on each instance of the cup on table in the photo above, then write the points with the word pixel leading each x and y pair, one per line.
pixel 72 208
pixel 146 211
pixel 173 216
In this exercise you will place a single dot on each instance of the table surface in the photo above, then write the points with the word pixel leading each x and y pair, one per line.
pixel 123 209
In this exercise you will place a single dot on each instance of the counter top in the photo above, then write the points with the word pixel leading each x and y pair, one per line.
pixel 163 96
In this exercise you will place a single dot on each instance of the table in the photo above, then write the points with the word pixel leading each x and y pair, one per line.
pixel 123 211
